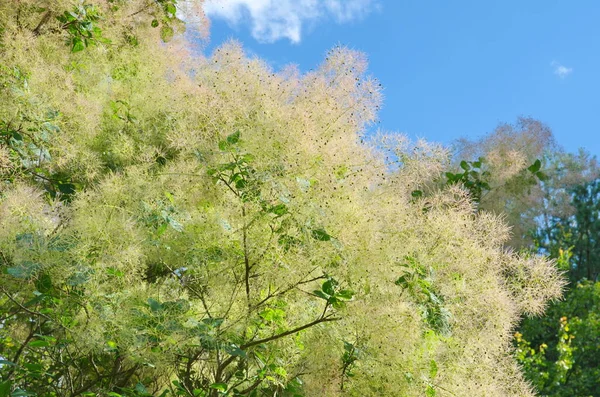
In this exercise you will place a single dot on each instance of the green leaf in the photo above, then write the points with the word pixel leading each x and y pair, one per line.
pixel 321 294
pixel 25 270
pixel 451 177
pixel 234 350
pixel 16 136
pixel 416 193
pixel 44 283
pixel 222 387
pixel 154 23
pixel 212 172
pixel 213 322
pixel 535 167
pixel 39 343
pixel 321 235
pixel 175 224
pixel 112 344
pixel 349 347
pixel 140 388
pixel 240 184
pixel 233 138
pixel 78 278
pixel 6 362
pixel 5 388
pixel 279 209
pixel 541 176
pixel 166 33
pixel 155 306
pixel 33 367
pixel 21 393
pixel 111 271
pixel 171 9
pixel 329 286
pixel 102 40
pixel 228 166
pixel 26 240
pixel 402 281
pixel 86 25
pixel 272 315
pixel 247 158
pixel 287 242
pixel 336 303
pixel 465 166
pixel 78 45
pixel 433 369
pixel 430 391
pixel 68 17
pixel 162 229
pixel 345 294
pixel 223 145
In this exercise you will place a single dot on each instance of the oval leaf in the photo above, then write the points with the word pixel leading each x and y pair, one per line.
pixel 321 235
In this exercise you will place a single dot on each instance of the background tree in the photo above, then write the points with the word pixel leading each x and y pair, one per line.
pixel 513 161
pixel 187 226
pixel 560 350
pixel 555 213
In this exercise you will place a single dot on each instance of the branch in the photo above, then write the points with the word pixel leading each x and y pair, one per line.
pixel 26 309
pixel 229 186
pixel 444 389
pixel 140 10
pixel 225 364
pixel 262 255
pixel 192 290
pixel 187 381
pixel 251 387
pixel 280 292
pixel 246 257
pixel 4 259
pixel 44 20
pixel 19 352
pixel 290 332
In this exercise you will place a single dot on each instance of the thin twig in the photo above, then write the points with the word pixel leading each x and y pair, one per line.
pixel 33 313
pixel 44 20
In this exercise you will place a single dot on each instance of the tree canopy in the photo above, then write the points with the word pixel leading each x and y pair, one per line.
pixel 180 225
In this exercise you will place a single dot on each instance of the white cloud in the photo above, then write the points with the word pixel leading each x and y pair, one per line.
pixel 561 70
pixel 272 20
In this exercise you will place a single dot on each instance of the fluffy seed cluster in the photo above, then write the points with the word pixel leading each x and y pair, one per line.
pixel 144 130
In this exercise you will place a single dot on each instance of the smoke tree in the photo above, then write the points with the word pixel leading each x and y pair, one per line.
pixel 179 225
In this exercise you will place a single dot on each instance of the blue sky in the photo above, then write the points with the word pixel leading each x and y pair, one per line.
pixel 449 68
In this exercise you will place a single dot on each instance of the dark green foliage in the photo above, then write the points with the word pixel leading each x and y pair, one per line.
pixel 331 292
pixel 27 137
pixel 349 358
pixel 472 177
pixel 560 352
pixel 165 16
pixel 417 281
pixel 476 178
pixel 578 232
pixel 81 25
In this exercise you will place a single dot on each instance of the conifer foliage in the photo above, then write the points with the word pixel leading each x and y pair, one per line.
pixel 175 225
